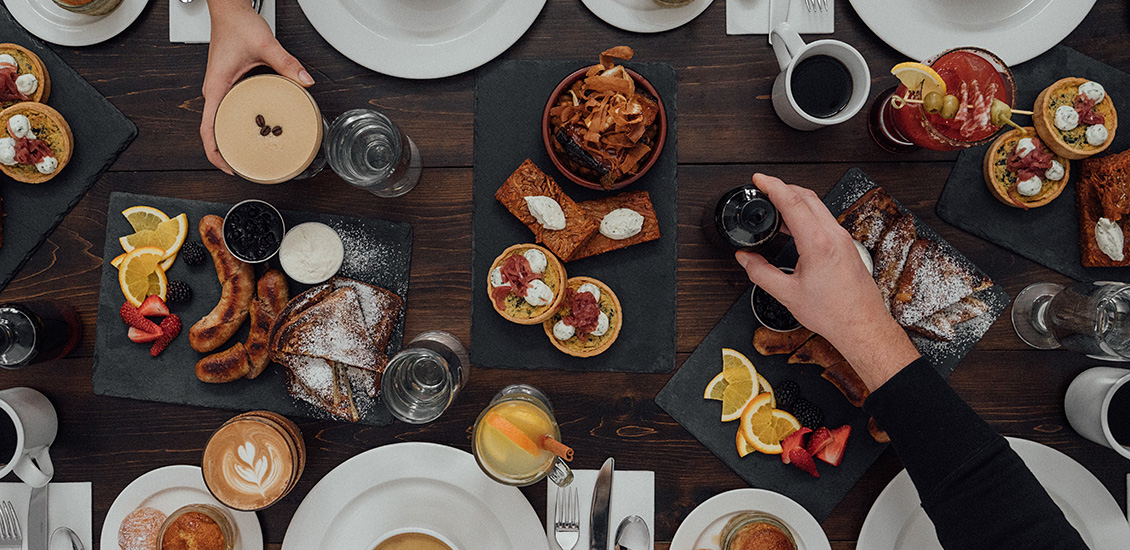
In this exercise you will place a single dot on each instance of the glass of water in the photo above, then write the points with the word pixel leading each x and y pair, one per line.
pixel 424 378
pixel 1089 318
pixel 369 151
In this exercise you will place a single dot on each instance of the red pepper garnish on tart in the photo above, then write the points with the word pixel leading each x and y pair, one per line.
pixel 516 277
pixel 1085 106
pixel 1035 163
pixel 583 312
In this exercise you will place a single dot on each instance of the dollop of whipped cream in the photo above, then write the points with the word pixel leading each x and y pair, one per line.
pixel 621 224
pixel 1097 134
pixel 1066 118
pixel 1030 186
pixel 47 165
pixel 538 261
pixel 8 60
pixel 561 331
pixel 27 84
pixel 1024 146
pixel 1108 235
pixel 7 151
pixel 1093 90
pixel 547 212
pixel 601 325
pixel 538 293
pixel 19 126
pixel 496 277
pixel 591 289
pixel 1056 172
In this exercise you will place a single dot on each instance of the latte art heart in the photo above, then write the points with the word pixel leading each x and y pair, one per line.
pixel 248 464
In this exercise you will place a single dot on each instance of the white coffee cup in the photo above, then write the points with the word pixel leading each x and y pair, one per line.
pixel 1088 401
pixel 791 50
pixel 36 425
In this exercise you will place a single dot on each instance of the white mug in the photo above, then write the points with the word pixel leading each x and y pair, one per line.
pixel 791 50
pixel 1088 401
pixel 36 425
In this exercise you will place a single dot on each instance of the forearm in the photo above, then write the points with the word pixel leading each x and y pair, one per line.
pixel 877 348
pixel 221 8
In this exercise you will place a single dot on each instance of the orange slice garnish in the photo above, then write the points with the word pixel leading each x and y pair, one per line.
pixel 517 436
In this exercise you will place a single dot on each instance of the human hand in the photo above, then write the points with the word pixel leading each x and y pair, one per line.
pixel 830 292
pixel 241 40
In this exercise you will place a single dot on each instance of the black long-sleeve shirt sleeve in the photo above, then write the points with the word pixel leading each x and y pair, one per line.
pixel 973 486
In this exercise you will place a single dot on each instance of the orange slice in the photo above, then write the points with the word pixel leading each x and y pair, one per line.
pixel 744 448
pixel 518 437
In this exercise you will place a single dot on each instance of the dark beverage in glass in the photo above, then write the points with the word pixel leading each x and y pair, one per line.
pixel 1118 415
pixel 745 219
pixel 33 332
pixel 821 85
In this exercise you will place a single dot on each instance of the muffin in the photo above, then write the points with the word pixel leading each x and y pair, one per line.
pixel 35 142
pixel 1075 118
pixel 27 73
pixel 526 284
pixel 588 321
pixel 1022 172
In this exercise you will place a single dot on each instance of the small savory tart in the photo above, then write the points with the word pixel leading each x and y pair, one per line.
pixel 588 321
pixel 35 142
pixel 526 284
pixel 23 76
pixel 1022 172
pixel 1075 118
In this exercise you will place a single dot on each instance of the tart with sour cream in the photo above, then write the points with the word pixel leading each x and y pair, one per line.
pixel 35 142
pixel 1022 172
pixel 588 321
pixel 23 77
pixel 1075 118
pixel 526 284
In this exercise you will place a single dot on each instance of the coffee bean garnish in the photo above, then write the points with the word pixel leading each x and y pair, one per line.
pixel 277 131
pixel 259 121
pixel 265 131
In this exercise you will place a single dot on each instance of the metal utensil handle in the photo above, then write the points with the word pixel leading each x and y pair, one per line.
pixel 560 474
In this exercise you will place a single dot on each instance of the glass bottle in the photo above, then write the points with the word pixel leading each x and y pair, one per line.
pixel 36 331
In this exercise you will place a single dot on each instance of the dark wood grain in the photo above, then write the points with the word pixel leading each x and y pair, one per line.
pixel 727 131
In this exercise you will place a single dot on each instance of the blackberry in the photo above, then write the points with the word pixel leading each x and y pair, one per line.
pixel 807 414
pixel 178 292
pixel 192 252
pixel 786 393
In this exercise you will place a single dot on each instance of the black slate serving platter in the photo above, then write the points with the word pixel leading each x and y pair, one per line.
pixel 101 133
pixel 509 99
pixel 682 396
pixel 377 252
pixel 1048 235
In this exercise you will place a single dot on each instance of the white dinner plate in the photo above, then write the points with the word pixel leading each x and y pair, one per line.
pixel 413 485
pixel 701 529
pixel 645 15
pixel 1015 30
pixel 167 489
pixel 59 26
pixel 421 38
pixel 897 521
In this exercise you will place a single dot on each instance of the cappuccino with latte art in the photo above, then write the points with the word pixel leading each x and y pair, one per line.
pixel 253 460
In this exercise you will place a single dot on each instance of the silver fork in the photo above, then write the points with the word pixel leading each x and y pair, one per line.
pixel 10 535
pixel 816 5
pixel 567 518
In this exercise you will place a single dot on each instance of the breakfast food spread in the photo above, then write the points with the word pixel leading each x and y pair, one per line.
pixel 140 528
pixel 35 142
pixel 23 77
pixel 1102 200
pixel 1075 118
pixel 588 320
pixel 253 460
pixel 526 284
pixel 1022 172
pixel 562 227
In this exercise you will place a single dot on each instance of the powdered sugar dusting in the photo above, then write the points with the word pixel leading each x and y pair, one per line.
pixel 368 257
pixel 967 334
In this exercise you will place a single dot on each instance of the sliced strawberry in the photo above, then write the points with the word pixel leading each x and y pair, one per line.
pixel 153 306
pixel 801 459
pixel 794 440
pixel 833 452
pixel 170 327
pixel 134 318
pixel 139 336
pixel 820 438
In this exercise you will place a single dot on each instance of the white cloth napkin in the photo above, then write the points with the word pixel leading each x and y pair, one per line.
pixel 189 22
pixel 68 505
pixel 752 17
pixel 633 493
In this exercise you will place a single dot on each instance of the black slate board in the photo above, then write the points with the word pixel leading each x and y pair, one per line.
pixel 101 133
pixel 509 99
pixel 682 396
pixel 378 252
pixel 1048 235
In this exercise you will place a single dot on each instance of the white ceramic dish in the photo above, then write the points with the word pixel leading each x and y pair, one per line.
pixel 1015 30
pixel 645 15
pixel 167 489
pixel 421 38
pixel 431 487
pixel 703 525
pixel 897 520
pixel 59 26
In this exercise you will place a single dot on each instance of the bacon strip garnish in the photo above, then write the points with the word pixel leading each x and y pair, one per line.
pixel 1085 106
pixel 974 113
pixel 29 150
pixel 8 89
pixel 583 312
pixel 516 277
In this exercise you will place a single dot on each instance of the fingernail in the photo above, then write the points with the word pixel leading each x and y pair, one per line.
pixel 305 78
pixel 742 259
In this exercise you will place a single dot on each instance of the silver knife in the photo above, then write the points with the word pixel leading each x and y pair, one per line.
pixel 601 497
pixel 37 519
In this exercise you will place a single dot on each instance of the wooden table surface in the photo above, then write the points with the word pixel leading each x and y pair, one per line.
pixel 727 131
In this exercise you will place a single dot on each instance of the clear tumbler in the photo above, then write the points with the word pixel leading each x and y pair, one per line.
pixel 369 151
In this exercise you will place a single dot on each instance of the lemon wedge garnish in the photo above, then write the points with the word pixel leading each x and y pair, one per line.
pixel 919 79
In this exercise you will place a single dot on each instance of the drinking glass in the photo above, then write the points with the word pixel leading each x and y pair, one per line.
pixel 369 151
pixel 36 331
pixel 508 438
pixel 423 379
pixel 1089 318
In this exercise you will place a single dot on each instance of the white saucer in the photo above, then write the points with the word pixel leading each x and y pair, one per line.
pixel 703 525
pixel 645 15
pixel 59 26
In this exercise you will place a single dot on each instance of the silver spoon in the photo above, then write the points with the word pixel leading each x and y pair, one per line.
pixel 76 543
pixel 633 534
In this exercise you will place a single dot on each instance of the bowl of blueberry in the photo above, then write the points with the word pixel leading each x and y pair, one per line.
pixel 253 231
pixel 771 313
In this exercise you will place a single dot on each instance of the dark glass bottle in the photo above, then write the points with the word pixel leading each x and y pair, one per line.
pixel 37 331
pixel 745 219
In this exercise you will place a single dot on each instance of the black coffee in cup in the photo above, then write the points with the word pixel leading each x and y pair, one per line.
pixel 821 85
pixel 1118 415
pixel 8 439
